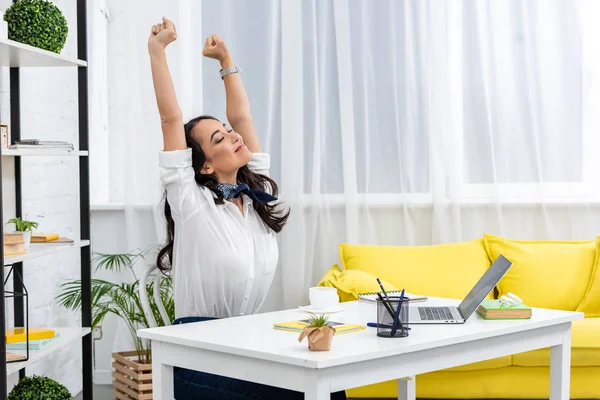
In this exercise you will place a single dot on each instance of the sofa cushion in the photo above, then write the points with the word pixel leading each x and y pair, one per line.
pixel 352 282
pixel 546 274
pixel 585 347
pixel 591 301
pixel 444 270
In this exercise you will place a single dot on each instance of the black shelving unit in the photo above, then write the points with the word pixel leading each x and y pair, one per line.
pixel 16 56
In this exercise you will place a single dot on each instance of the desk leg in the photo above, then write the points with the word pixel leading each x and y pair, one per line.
pixel 162 376
pixel 560 368
pixel 318 385
pixel 407 388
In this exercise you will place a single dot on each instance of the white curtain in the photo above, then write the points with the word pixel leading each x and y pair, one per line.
pixel 388 122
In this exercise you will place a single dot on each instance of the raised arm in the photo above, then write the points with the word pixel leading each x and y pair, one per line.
pixel 238 106
pixel 170 113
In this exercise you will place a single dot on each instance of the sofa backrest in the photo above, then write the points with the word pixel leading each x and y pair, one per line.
pixel 445 270
pixel 545 273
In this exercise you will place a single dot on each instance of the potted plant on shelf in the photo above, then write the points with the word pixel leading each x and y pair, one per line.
pixel 24 227
pixel 37 23
pixel 39 387
pixel 319 333
pixel 122 299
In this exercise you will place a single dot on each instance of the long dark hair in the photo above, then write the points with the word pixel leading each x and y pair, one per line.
pixel 273 217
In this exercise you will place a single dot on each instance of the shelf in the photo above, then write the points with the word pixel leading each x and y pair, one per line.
pixel 37 250
pixel 15 54
pixel 42 152
pixel 67 335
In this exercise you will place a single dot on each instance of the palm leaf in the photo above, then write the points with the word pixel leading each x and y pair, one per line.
pixel 71 296
pixel 121 299
pixel 115 262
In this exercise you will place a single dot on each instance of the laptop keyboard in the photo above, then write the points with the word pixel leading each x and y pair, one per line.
pixel 435 313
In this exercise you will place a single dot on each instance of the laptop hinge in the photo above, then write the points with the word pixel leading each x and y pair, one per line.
pixel 460 314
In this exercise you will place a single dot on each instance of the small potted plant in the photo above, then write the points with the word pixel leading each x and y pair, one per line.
pixel 24 227
pixel 37 23
pixel 39 387
pixel 319 333
pixel 122 299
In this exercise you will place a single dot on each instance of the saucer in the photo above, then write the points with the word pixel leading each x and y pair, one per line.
pixel 330 310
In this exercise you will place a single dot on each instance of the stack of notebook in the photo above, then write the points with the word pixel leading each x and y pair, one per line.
pixel 43 237
pixel 372 297
pixel 298 326
pixel 493 309
pixel 38 338
pixel 41 144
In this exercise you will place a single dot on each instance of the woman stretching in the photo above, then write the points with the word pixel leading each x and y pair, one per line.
pixel 221 220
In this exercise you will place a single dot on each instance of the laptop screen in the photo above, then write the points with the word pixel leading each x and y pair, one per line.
pixel 484 286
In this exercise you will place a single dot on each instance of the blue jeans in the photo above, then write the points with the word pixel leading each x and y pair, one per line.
pixel 190 384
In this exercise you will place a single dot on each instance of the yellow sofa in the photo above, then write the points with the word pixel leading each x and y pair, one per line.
pixel 549 274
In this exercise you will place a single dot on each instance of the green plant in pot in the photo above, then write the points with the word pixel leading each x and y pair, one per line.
pixel 25 227
pixel 121 298
pixel 38 388
pixel 38 23
pixel 318 332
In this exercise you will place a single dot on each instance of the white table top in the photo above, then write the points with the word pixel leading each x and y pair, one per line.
pixel 254 336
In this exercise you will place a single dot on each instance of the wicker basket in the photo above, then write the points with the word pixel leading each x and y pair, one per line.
pixel 131 380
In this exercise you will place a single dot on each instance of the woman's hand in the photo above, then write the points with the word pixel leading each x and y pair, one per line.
pixel 216 48
pixel 162 34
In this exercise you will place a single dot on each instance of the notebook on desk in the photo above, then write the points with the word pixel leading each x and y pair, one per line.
pixel 298 326
pixel 372 297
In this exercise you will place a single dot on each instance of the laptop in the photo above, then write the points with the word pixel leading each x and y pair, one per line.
pixel 459 315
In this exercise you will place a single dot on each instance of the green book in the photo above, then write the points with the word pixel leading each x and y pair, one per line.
pixel 492 309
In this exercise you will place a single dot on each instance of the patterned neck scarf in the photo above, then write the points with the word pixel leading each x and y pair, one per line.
pixel 231 191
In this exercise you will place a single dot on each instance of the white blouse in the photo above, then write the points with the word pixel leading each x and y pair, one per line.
pixel 223 261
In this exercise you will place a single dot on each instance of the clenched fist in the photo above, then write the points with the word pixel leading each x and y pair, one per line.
pixel 162 34
pixel 215 48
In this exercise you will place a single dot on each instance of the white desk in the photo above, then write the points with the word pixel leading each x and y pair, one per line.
pixel 248 348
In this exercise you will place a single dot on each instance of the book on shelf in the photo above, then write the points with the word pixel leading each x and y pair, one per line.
pixel 493 309
pixel 52 240
pixel 41 144
pixel 36 344
pixel 41 237
pixel 18 334
pixel 14 244
pixel 12 357
pixel 372 297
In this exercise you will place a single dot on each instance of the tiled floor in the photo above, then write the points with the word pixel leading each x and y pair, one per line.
pixel 101 392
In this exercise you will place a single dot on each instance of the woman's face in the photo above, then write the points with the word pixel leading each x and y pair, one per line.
pixel 224 148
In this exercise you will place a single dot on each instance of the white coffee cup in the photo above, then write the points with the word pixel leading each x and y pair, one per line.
pixel 322 297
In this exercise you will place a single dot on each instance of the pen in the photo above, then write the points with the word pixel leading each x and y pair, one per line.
pixel 388 307
pixel 383 290
pixel 396 321
pixel 385 302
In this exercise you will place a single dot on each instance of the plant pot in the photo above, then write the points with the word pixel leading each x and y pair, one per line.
pixel 131 380
pixel 14 244
pixel 319 339
pixel 26 239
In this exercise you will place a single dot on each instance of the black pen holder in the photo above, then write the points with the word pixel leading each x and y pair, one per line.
pixel 387 312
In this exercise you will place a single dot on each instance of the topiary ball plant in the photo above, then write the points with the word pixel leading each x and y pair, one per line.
pixel 38 388
pixel 38 23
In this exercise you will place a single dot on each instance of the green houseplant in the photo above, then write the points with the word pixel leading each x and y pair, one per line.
pixel 318 332
pixel 25 227
pixel 38 23
pixel 121 299
pixel 38 388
